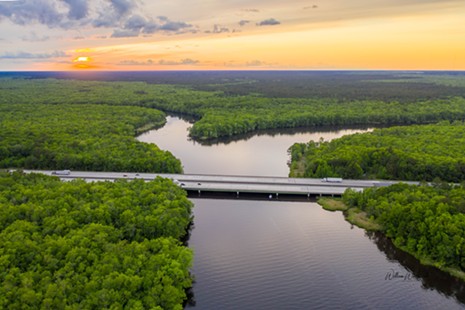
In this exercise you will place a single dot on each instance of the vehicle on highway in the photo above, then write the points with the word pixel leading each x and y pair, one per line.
pixel 332 180
pixel 61 172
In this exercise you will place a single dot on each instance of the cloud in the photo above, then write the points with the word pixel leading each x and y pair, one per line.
pixel 136 25
pixel 255 63
pixel 27 55
pixel 161 62
pixel 78 9
pixel 124 33
pixel 135 22
pixel 311 7
pixel 28 12
pixel 124 16
pixel 244 22
pixel 67 14
pixel 123 6
pixel 218 29
pixel 269 22
pixel 114 13
pixel 33 37
pixel 174 26
pixel 186 61
pixel 252 63
pixel 251 10
pixel 149 62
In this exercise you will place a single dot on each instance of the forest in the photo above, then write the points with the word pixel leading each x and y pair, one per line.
pixel 267 100
pixel 426 221
pixel 80 137
pixel 400 86
pixel 102 245
pixel 417 152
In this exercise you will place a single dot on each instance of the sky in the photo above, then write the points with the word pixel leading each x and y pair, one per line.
pixel 52 35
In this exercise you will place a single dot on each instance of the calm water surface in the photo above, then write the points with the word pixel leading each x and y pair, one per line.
pixel 291 255
pixel 262 155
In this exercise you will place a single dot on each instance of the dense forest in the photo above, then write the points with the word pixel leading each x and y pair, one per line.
pixel 417 152
pixel 403 86
pixel 80 137
pixel 267 101
pixel 103 245
pixel 426 221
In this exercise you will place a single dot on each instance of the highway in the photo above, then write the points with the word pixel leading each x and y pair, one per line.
pixel 232 184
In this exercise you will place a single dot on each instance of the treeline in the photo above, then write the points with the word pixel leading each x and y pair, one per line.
pixel 264 114
pixel 419 152
pixel 80 137
pixel 104 245
pixel 426 221
pixel 345 85
pixel 223 115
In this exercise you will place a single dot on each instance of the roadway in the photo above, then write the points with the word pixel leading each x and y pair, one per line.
pixel 234 184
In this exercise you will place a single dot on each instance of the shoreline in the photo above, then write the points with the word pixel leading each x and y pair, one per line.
pixel 358 218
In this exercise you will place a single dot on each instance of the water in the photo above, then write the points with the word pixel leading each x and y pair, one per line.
pixel 262 155
pixel 288 255
pixel 291 255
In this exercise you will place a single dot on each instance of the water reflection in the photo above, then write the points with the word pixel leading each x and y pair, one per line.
pixel 263 154
pixel 324 131
pixel 430 277
pixel 283 255
pixel 294 255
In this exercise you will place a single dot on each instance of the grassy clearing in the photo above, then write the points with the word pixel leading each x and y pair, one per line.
pixel 333 204
pixel 297 168
pixel 359 218
pixel 353 215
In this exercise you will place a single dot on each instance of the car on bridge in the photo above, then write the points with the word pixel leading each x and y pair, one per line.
pixel 61 172
pixel 332 180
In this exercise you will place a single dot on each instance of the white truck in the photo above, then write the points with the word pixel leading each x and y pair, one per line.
pixel 61 172
pixel 332 180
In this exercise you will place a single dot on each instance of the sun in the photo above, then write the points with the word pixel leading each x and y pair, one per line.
pixel 81 59
pixel 82 62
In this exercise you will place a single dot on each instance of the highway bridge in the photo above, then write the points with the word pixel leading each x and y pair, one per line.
pixel 270 187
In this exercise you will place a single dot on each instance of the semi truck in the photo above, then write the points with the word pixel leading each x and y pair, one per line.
pixel 332 180
pixel 61 172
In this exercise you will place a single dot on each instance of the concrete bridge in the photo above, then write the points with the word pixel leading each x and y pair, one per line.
pixel 234 186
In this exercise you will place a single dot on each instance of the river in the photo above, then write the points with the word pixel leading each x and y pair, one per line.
pixel 291 255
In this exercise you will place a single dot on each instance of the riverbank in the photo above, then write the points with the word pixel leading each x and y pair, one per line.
pixel 354 216
pixel 360 219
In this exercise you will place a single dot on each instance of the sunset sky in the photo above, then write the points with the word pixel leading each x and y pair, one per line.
pixel 232 35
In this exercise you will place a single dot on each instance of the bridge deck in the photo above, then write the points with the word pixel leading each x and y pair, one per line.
pixel 235 184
